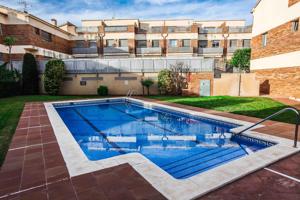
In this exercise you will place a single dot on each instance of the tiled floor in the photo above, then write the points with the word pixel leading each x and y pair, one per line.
pixel 34 169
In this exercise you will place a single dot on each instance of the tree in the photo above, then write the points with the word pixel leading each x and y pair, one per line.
pixel 165 82
pixel 53 77
pixel 9 41
pixel 177 76
pixel 30 79
pixel 241 59
pixel 147 83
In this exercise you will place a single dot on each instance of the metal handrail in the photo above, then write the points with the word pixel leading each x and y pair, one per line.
pixel 276 114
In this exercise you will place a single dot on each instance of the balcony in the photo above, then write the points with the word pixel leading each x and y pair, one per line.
pixel 116 29
pixel 111 51
pixel 179 29
pixel 240 29
pixel 214 51
pixel 233 49
pixel 87 29
pixel 210 30
pixel 148 51
pixel 180 50
pixel 84 52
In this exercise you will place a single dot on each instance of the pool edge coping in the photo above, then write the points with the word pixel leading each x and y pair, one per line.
pixel 170 187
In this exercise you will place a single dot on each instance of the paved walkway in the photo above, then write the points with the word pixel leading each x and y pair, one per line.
pixel 34 169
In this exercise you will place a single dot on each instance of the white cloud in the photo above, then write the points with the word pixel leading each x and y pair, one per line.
pixel 158 2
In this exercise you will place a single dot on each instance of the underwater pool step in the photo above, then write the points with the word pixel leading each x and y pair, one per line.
pixel 195 168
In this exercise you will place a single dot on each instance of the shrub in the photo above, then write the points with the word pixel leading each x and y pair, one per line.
pixel 53 76
pixel 147 83
pixel 102 90
pixel 9 81
pixel 30 79
pixel 165 85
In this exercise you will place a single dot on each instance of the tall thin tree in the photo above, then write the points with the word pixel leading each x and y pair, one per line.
pixel 9 41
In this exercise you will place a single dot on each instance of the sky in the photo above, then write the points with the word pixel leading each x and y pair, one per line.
pixel 76 10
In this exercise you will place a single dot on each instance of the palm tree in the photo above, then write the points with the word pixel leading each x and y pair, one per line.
pixel 9 41
pixel 147 83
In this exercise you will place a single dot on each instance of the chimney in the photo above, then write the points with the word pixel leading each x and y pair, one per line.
pixel 54 22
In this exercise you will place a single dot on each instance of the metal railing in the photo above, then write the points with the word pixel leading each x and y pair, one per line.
pixel 276 114
pixel 116 28
pixel 138 65
pixel 87 29
pixel 116 50
pixel 240 29
pixel 210 30
pixel 148 50
pixel 180 50
pixel 210 50
pixel 81 50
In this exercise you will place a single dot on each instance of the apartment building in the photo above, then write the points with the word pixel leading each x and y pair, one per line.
pixel 144 38
pixel 34 35
pixel 276 47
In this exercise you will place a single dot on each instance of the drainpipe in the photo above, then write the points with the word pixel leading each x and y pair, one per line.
pixel 164 35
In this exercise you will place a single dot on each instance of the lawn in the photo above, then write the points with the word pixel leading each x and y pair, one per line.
pixel 259 107
pixel 10 111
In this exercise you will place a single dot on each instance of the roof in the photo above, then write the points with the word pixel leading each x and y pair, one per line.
pixel 257 2
pixel 36 18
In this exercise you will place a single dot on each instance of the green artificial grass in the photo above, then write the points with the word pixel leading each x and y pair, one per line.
pixel 259 107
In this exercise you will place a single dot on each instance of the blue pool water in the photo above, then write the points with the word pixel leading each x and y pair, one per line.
pixel 180 144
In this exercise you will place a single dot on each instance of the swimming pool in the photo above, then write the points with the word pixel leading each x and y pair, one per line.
pixel 181 144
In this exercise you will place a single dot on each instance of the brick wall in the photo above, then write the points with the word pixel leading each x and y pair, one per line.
pixel 194 83
pixel 280 82
pixel 25 35
pixel 280 40
pixel 292 2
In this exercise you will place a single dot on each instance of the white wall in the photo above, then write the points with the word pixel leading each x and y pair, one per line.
pixel 272 13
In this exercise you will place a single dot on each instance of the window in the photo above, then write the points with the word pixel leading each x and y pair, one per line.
pixel 156 29
pixel 233 43
pixel 215 43
pixel 141 43
pixel 171 29
pixel 172 43
pixel 295 25
pixel 123 43
pixel 79 44
pixel 116 28
pixel 246 43
pixel 93 44
pixel 110 43
pixel 203 43
pixel 264 39
pixel 46 36
pixel 155 43
pixel 36 31
pixel 186 43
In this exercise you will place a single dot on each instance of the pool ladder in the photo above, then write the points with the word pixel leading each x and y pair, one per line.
pixel 276 114
pixel 129 93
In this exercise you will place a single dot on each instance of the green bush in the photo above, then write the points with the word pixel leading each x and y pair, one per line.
pixel 165 84
pixel 9 82
pixel 30 79
pixel 53 76
pixel 102 90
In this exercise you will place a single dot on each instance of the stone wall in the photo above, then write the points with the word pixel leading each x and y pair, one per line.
pixel 279 40
pixel 280 82
pixel 194 83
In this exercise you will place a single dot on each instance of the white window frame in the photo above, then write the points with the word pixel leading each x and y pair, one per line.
pixel 264 39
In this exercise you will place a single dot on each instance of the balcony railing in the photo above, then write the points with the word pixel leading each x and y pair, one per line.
pixel 80 50
pixel 115 50
pixel 148 51
pixel 210 30
pixel 180 50
pixel 116 29
pixel 87 29
pixel 179 29
pixel 240 29
pixel 210 50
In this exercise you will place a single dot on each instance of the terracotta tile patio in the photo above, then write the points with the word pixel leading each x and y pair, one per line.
pixel 35 169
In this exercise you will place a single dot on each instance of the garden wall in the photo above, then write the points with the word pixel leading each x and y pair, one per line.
pixel 228 84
